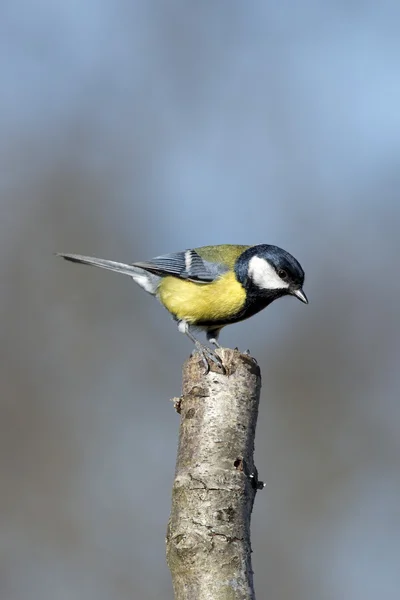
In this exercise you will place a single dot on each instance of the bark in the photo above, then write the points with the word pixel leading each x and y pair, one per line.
pixel 208 538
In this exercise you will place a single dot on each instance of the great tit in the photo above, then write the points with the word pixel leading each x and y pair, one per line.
pixel 213 286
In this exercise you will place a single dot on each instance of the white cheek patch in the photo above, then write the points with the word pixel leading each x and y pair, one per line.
pixel 264 276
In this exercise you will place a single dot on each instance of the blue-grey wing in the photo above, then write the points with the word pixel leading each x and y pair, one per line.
pixel 185 265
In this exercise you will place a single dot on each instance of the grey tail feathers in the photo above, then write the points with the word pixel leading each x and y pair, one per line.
pixel 148 281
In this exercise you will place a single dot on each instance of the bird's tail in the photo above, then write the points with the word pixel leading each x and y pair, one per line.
pixel 148 281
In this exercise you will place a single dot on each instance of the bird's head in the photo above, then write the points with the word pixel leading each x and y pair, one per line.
pixel 270 271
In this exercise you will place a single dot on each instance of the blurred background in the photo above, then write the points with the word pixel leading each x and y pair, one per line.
pixel 131 129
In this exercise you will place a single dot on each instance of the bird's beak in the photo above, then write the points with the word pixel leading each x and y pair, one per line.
pixel 300 295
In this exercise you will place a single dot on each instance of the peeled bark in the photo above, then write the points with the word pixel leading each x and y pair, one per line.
pixel 208 539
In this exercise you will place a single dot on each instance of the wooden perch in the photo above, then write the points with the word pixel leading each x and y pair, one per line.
pixel 208 538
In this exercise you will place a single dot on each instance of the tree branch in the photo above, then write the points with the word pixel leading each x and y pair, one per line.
pixel 208 538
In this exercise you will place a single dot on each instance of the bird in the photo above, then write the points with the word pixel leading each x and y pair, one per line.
pixel 210 287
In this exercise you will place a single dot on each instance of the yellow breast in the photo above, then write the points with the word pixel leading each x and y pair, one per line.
pixel 197 302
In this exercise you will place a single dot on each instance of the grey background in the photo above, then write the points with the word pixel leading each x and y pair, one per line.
pixel 130 129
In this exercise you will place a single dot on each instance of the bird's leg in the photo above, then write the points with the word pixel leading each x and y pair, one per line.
pixel 206 353
pixel 212 337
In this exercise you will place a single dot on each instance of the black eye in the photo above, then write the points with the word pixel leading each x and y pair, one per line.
pixel 282 274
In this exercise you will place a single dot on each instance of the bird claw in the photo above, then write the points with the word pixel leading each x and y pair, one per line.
pixel 247 353
pixel 207 356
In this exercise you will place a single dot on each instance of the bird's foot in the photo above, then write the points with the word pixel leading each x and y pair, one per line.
pixel 247 353
pixel 215 342
pixel 207 356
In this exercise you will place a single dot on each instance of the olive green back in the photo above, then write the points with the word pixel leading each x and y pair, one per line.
pixel 225 254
